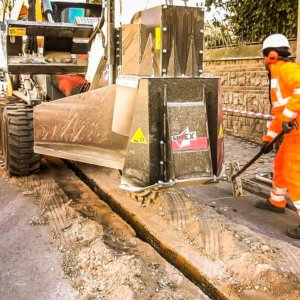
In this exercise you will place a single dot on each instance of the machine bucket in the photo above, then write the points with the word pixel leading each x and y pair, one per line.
pixel 156 130
pixel 175 134
pixel 79 128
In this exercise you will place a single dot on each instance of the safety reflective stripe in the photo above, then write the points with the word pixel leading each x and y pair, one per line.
pixel 297 204
pixel 274 83
pixel 289 113
pixel 272 133
pixel 297 91
pixel 282 102
pixel 278 94
pixel 280 191
pixel 277 198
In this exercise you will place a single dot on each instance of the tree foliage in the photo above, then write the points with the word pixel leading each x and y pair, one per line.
pixel 253 20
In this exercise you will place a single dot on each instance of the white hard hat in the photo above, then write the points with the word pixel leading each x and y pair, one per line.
pixel 275 41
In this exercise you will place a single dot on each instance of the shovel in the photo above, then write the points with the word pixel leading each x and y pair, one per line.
pixel 236 182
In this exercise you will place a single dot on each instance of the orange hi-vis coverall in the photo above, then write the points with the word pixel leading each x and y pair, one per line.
pixel 285 97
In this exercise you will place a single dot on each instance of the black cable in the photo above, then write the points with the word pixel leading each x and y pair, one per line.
pixel 31 46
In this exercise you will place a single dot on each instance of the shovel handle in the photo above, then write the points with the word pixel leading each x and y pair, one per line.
pixel 257 156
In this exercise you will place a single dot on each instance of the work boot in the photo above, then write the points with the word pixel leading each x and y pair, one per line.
pixel 267 205
pixel 294 232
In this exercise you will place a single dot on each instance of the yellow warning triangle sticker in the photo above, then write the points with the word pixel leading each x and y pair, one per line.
pixel 139 137
pixel 221 132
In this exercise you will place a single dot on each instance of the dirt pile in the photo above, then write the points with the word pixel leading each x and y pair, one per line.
pixel 234 260
pixel 101 254
pixel 254 264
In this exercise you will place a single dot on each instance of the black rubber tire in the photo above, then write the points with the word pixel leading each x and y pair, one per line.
pixel 17 139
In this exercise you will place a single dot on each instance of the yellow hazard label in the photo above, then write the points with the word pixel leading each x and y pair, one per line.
pixel 221 132
pixel 157 38
pixel 139 137
pixel 16 31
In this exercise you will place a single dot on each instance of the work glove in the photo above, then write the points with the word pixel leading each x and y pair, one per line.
pixel 266 147
pixel 288 126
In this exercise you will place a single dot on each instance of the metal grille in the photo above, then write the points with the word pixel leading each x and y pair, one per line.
pixel 86 21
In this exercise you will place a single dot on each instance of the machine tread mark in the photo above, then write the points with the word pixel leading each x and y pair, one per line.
pixel 18 140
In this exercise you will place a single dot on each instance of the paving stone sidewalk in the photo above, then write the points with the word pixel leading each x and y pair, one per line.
pixel 237 149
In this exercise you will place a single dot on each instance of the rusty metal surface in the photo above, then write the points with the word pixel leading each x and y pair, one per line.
pixel 87 154
pixel 168 138
pixel 189 124
pixel 53 62
pixel 178 35
pixel 19 65
pixel 185 34
pixel 213 96
pixel 134 39
pixel 79 128
pixel 146 161
pixel 141 166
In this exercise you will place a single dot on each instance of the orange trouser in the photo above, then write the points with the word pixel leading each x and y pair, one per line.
pixel 287 173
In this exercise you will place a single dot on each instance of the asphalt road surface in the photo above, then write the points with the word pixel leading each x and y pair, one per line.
pixel 30 263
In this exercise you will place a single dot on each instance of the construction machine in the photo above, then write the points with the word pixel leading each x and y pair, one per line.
pixel 127 96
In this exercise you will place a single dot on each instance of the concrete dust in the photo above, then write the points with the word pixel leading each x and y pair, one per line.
pixel 256 266
pixel 101 254
pixel 234 259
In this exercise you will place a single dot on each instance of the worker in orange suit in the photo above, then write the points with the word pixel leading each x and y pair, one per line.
pixel 284 76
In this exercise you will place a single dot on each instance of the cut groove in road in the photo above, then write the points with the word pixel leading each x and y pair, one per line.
pixel 177 260
pixel 101 253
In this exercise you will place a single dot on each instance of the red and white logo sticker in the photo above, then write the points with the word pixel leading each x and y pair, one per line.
pixel 188 140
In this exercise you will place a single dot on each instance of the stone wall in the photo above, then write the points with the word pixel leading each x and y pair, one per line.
pixel 246 125
pixel 245 92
